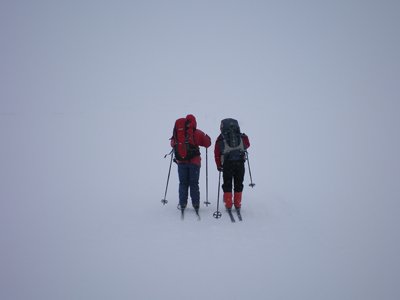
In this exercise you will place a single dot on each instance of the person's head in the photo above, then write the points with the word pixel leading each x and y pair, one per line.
pixel 192 120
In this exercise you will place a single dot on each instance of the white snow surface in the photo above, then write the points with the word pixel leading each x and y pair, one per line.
pixel 89 94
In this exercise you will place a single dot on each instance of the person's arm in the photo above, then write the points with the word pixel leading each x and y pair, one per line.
pixel 173 143
pixel 246 141
pixel 202 138
pixel 217 155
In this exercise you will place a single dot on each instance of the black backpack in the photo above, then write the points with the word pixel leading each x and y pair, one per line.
pixel 232 147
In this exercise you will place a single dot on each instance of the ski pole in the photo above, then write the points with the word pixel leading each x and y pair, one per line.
pixel 207 202
pixel 248 163
pixel 164 200
pixel 218 214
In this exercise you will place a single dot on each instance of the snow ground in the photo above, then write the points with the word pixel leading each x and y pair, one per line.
pixel 82 219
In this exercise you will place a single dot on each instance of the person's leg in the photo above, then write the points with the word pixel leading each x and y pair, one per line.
pixel 238 178
pixel 227 185
pixel 183 173
pixel 194 175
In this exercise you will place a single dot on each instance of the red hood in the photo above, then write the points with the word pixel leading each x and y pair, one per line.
pixel 192 120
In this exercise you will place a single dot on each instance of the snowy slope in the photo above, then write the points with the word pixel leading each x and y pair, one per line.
pixel 82 218
pixel 89 96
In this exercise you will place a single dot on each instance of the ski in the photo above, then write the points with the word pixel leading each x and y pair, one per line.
pixel 231 215
pixel 183 214
pixel 239 214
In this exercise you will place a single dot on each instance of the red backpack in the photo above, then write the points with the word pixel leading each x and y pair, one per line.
pixel 183 134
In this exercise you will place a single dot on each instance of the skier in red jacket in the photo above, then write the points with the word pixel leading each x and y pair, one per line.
pixel 189 169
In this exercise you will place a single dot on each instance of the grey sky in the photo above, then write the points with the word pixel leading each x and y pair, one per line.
pixel 64 55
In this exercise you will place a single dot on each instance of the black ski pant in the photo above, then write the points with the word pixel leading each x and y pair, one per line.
pixel 233 172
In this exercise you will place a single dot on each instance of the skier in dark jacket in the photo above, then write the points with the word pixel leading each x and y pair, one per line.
pixel 229 153
pixel 189 170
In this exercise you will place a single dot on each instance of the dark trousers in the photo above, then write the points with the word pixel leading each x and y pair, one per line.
pixel 233 173
pixel 189 175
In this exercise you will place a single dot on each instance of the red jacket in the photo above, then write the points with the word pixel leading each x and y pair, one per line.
pixel 200 139
pixel 217 148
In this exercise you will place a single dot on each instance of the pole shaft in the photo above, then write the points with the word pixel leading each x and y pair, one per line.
pixel 207 175
pixel 169 173
pixel 219 187
pixel 248 163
